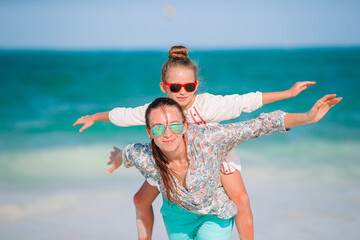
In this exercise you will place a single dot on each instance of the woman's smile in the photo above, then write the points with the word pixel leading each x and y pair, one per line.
pixel 169 141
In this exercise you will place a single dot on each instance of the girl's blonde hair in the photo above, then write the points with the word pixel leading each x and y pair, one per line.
pixel 178 57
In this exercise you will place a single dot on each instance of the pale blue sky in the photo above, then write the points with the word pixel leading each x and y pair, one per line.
pixel 137 24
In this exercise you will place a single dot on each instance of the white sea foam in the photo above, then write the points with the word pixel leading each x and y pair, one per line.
pixel 318 158
pixel 59 162
pixel 325 160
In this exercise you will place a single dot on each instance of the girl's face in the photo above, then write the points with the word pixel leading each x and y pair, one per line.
pixel 169 142
pixel 181 76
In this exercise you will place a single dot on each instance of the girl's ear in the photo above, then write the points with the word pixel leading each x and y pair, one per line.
pixel 162 87
pixel 197 85
pixel 149 133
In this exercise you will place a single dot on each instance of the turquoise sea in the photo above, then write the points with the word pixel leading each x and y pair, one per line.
pixel 53 184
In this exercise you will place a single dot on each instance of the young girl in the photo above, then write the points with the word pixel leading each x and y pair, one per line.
pixel 183 163
pixel 179 82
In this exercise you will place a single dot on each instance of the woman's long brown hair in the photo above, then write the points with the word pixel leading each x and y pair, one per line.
pixel 160 158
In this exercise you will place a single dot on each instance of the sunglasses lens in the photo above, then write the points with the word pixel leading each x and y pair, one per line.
pixel 175 87
pixel 176 128
pixel 158 131
pixel 190 87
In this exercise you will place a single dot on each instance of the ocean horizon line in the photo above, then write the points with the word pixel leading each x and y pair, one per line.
pixel 192 49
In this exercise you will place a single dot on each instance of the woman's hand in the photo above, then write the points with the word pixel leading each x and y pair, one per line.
pixel 87 120
pixel 299 87
pixel 321 107
pixel 319 110
pixel 115 159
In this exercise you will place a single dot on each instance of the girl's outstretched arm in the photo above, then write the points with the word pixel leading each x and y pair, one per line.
pixel 89 120
pixel 292 92
pixel 319 110
pixel 122 117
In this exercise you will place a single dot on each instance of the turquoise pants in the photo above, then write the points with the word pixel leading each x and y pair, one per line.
pixel 182 224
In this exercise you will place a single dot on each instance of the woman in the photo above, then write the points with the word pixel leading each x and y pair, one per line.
pixel 183 163
pixel 179 82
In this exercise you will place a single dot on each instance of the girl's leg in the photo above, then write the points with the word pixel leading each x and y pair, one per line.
pixel 214 228
pixel 235 189
pixel 144 212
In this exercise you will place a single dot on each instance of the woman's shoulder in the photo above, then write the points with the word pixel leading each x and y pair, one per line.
pixel 198 132
pixel 139 150
pixel 139 147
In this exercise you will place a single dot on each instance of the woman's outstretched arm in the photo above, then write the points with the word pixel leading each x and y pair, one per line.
pixel 319 110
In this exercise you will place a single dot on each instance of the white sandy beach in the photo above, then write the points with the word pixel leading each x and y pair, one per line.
pixel 64 193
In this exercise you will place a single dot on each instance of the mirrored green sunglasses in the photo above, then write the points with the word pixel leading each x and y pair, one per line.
pixel 159 130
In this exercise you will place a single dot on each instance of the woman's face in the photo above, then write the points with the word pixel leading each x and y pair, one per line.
pixel 170 142
pixel 180 75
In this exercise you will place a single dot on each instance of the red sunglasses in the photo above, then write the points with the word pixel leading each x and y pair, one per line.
pixel 176 87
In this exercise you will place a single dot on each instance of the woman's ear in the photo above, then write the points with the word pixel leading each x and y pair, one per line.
pixel 149 133
pixel 185 127
pixel 162 87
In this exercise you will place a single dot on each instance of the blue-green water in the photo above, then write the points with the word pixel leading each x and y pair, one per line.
pixel 48 170
pixel 42 93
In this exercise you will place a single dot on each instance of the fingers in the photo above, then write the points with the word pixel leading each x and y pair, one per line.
pixel 309 83
pixel 334 101
pixel 116 149
pixel 328 101
pixel 305 84
pixel 324 100
pixel 86 125
pixel 81 120
pixel 328 97
pixel 83 128
pixel 303 88
pixel 110 170
pixel 77 122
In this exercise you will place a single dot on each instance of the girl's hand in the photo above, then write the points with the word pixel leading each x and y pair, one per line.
pixel 321 107
pixel 115 159
pixel 299 87
pixel 87 120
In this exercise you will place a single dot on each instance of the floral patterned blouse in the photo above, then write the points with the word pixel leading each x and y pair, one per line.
pixel 206 147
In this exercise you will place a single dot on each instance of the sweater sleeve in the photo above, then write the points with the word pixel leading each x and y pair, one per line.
pixel 125 117
pixel 217 108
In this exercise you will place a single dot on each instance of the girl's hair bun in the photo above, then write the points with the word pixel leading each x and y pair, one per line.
pixel 178 52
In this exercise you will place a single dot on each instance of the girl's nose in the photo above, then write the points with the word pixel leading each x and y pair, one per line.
pixel 182 91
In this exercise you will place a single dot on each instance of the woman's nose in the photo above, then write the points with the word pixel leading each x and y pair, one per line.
pixel 168 132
